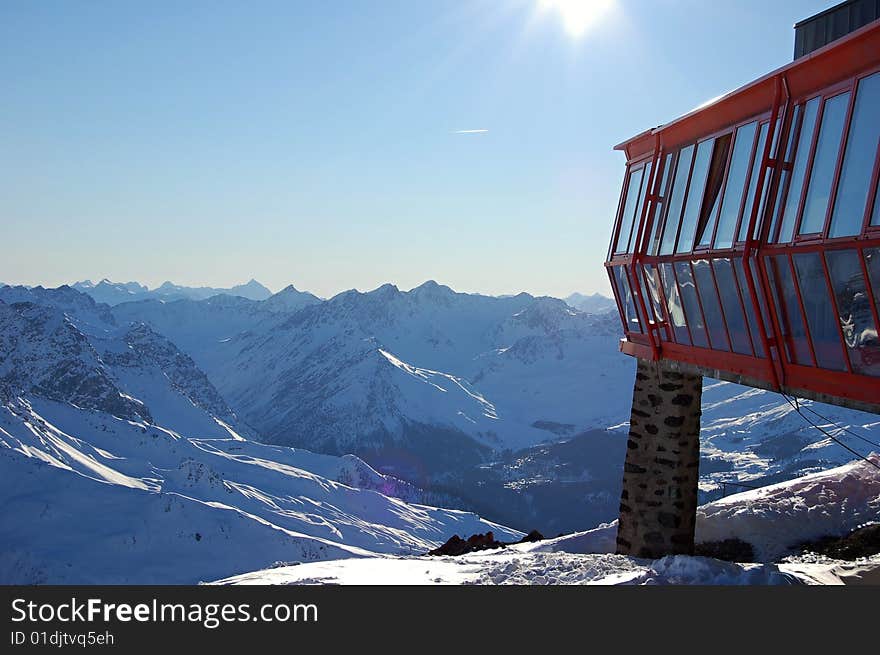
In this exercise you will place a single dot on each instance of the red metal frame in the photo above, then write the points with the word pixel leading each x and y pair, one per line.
pixel 772 101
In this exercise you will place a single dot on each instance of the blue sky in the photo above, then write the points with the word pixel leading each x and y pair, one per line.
pixel 316 143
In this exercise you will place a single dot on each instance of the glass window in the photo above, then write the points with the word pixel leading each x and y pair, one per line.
pixel 740 272
pixel 712 195
pixel 736 181
pixel 875 216
pixel 679 188
pixel 711 305
pixel 633 192
pixel 818 309
pixel 674 306
pixel 768 174
pixel 824 162
pixel 691 302
pixel 792 198
pixel 630 317
pixel 753 183
pixel 858 160
pixel 854 311
pixel 794 335
pixel 785 172
pixel 637 218
pixel 660 205
pixel 652 286
pixel 740 338
pixel 872 263
pixel 694 197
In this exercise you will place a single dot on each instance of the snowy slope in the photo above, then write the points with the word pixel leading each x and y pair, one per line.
pixel 772 519
pixel 115 501
pixel 120 462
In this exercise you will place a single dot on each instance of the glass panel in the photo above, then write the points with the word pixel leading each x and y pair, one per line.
pixel 821 177
pixel 652 287
pixel 736 180
pixel 784 174
pixel 739 271
pixel 679 187
pixel 711 305
pixel 820 317
pixel 854 311
pixel 712 196
pixel 753 183
pixel 875 216
pixel 633 193
pixel 695 197
pixel 768 174
pixel 794 335
pixel 658 211
pixel 872 263
pixel 674 306
pixel 691 304
pixel 793 196
pixel 733 311
pixel 858 160
pixel 630 316
pixel 637 218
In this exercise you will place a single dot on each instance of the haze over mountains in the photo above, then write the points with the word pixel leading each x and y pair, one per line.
pixel 114 293
pixel 513 407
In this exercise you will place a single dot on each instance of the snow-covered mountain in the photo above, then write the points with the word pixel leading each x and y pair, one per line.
pixel 115 293
pixel 437 374
pixel 513 407
pixel 289 299
pixel 594 303
pixel 121 463
pixel 517 405
pixel 774 522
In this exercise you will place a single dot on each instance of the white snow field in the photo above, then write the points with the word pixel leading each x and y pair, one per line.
pixel 89 498
pixel 774 520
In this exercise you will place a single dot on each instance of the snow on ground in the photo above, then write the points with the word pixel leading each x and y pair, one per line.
pixel 89 498
pixel 516 567
pixel 773 519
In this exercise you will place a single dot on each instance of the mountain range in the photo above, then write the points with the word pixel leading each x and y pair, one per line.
pixel 114 293
pixel 515 408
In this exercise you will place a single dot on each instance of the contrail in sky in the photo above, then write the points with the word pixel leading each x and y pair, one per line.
pixel 470 131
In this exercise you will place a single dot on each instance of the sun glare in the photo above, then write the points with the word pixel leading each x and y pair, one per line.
pixel 578 16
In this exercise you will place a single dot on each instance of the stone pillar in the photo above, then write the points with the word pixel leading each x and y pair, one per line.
pixel 658 503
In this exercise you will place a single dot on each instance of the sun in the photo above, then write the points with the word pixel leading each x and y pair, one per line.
pixel 578 16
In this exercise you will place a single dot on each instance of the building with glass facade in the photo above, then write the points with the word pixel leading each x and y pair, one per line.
pixel 747 240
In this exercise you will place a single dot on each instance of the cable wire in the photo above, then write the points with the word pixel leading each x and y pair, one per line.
pixel 797 408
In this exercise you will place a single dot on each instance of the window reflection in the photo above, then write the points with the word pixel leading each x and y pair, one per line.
pixel 712 194
pixel 710 304
pixel 679 187
pixel 633 189
pixel 854 311
pixel 658 211
pixel 794 334
pixel 819 313
pixel 690 300
pixel 753 183
pixel 792 199
pixel 694 197
pixel 824 162
pixel 736 180
pixel 631 318
pixel 736 323
pixel 674 306
pixel 858 162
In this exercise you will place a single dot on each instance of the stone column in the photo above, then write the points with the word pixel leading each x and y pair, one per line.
pixel 658 503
